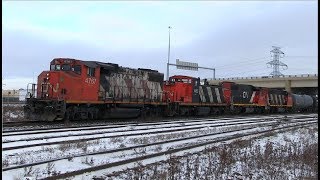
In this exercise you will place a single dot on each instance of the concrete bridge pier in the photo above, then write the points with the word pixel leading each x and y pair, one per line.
pixel 288 86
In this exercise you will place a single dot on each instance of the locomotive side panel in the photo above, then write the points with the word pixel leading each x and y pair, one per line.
pixel 90 84
pixel 242 94
pixel 227 93
pixel 127 85
pixel 211 94
pixel 263 97
pixel 195 90
pixel 277 97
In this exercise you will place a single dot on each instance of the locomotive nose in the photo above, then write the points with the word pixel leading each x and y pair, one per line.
pixel 47 84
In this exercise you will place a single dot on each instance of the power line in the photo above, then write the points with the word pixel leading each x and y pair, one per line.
pixel 246 72
pixel 237 65
pixel 302 56
pixel 248 60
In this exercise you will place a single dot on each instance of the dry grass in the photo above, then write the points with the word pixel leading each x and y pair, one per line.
pixel 12 113
pixel 241 159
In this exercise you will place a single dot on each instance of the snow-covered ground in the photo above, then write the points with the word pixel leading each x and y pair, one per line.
pixel 72 162
pixel 12 112
pixel 287 155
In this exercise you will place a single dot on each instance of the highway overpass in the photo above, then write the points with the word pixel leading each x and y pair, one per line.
pixel 307 83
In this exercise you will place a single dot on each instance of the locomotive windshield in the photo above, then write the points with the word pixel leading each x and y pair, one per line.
pixel 58 67
pixel 65 67
pixel 77 69
pixel 54 67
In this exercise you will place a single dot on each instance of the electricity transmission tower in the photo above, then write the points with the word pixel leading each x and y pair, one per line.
pixel 276 63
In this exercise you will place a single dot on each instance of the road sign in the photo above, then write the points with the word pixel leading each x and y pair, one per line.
pixel 186 65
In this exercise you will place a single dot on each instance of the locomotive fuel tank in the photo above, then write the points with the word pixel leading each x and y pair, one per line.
pixel 302 101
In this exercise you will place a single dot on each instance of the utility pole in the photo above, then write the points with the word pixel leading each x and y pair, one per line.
pixel 276 63
pixel 168 56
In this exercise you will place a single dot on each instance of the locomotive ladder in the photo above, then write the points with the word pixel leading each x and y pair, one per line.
pixel 60 109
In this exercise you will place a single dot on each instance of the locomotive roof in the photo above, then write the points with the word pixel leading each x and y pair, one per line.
pixel 113 66
pixel 182 76
pixel 94 64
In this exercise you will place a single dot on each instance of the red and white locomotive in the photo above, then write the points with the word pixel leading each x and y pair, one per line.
pixel 77 89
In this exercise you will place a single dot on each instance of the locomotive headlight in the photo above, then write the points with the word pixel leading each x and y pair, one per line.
pixel 47 78
pixel 47 95
pixel 47 74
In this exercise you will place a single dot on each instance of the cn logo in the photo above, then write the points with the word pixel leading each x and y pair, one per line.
pixel 245 95
pixel 53 88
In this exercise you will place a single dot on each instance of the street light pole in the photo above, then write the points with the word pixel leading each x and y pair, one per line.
pixel 168 56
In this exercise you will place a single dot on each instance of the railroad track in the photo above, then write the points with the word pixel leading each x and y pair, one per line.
pixel 13 127
pixel 228 129
pixel 41 125
pixel 27 124
pixel 45 132
pixel 36 125
pixel 73 135
pixel 124 131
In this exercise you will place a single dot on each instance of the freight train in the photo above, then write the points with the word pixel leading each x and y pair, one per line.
pixel 75 89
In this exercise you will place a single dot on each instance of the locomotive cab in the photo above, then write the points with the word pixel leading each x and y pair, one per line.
pixel 53 84
pixel 67 80
pixel 180 89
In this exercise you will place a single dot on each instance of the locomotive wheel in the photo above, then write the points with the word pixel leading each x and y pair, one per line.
pixel 69 116
pixel 236 110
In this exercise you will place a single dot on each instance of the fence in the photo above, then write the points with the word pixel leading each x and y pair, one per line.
pixel 13 99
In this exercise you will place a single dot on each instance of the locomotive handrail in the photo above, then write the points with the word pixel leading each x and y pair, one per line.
pixel 33 89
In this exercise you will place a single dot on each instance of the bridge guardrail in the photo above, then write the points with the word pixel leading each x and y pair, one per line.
pixel 263 77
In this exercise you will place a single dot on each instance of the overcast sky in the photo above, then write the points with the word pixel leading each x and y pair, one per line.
pixel 235 37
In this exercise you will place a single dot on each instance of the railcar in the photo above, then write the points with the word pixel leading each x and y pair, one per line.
pixel 303 103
